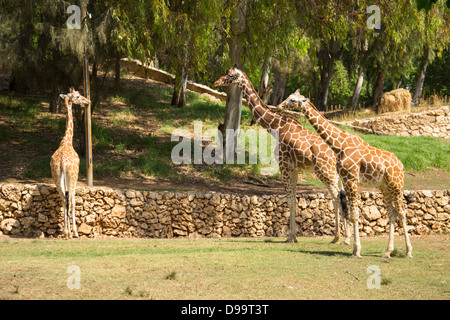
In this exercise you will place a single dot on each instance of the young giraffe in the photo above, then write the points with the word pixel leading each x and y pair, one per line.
pixel 65 164
pixel 359 162
pixel 299 150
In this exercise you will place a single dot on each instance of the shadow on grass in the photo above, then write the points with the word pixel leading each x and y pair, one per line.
pixel 322 253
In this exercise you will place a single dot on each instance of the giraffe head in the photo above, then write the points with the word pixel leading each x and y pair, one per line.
pixel 294 101
pixel 232 76
pixel 74 97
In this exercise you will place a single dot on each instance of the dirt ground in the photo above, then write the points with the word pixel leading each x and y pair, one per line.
pixel 201 185
pixel 435 180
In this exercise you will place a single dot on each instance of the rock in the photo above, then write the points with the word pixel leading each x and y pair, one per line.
pixel 427 193
pixel 215 200
pixel 84 229
pixel 11 192
pixel 135 203
pixel 129 213
pixel 368 230
pixel 8 224
pixel 5 205
pixel 130 194
pixel 27 222
pixel 118 211
pixel 371 213
pixel 44 190
pixel 42 218
pixel 179 232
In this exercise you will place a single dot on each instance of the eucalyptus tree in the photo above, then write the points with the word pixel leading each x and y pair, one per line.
pixel 255 32
pixel 186 32
pixel 438 75
pixel 39 49
pixel 133 34
pixel 402 38
pixel 433 38
pixel 327 24
pixel 180 33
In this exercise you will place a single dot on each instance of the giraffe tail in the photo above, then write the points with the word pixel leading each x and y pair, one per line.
pixel 66 196
pixel 65 187
pixel 410 197
pixel 343 200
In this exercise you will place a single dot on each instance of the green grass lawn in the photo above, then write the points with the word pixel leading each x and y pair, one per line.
pixel 236 268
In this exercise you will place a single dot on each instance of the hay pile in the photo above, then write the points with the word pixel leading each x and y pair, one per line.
pixel 395 100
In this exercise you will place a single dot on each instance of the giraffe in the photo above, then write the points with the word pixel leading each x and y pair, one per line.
pixel 65 164
pixel 299 150
pixel 360 163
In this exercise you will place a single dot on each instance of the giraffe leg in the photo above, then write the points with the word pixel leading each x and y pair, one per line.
pixel 66 224
pixel 392 217
pixel 390 247
pixel 66 208
pixel 407 241
pixel 337 209
pixel 398 210
pixel 69 229
pixel 73 215
pixel 290 179
pixel 346 231
pixel 353 197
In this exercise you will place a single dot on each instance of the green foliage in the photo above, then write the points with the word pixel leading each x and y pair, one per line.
pixel 340 87
pixel 437 79
pixel 418 154
pixel 427 4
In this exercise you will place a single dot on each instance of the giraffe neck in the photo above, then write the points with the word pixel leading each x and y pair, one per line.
pixel 262 114
pixel 68 136
pixel 332 135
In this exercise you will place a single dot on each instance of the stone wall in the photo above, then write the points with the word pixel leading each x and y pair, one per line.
pixel 432 123
pixel 35 211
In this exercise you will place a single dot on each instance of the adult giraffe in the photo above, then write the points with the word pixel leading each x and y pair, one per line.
pixel 65 164
pixel 358 162
pixel 299 150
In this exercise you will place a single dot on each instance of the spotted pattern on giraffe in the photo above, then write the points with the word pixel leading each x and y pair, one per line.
pixel 299 150
pixel 359 163
pixel 65 164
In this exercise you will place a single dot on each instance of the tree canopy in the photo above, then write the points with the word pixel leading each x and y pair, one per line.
pixel 329 49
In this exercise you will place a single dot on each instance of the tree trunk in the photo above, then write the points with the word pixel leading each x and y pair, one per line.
pixel 327 54
pixel 233 105
pixel 80 128
pixel 95 90
pixel 314 83
pixel 117 74
pixel 420 80
pixel 54 96
pixel 179 92
pixel 357 91
pixel 321 100
pixel 326 61
pixel 264 89
pixel 279 86
pixel 378 91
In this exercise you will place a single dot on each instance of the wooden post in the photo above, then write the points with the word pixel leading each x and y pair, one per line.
pixel 87 114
